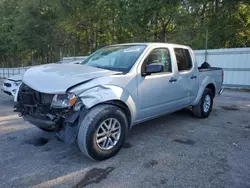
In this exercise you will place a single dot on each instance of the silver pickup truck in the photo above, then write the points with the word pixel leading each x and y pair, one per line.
pixel 115 88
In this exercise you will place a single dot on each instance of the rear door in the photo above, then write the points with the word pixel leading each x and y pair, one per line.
pixel 188 73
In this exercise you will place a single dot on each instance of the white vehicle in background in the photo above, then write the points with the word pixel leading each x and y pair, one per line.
pixel 11 84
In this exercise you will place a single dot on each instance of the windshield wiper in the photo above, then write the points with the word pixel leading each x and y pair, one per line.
pixel 98 67
pixel 110 68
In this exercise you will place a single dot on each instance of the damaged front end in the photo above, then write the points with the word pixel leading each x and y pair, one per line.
pixel 44 111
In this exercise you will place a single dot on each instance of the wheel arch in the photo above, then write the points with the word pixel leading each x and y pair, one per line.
pixel 122 105
pixel 208 82
pixel 212 87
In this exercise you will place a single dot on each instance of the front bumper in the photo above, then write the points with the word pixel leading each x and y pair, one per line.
pixel 53 121
pixel 35 107
pixel 41 123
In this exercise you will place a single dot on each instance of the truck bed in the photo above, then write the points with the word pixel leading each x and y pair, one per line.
pixel 213 72
pixel 208 69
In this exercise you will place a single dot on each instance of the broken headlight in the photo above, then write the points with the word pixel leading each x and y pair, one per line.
pixel 63 100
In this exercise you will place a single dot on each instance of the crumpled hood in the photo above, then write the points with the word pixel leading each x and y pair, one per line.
pixel 57 78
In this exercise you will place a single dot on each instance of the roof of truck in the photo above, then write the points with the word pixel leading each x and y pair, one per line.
pixel 152 44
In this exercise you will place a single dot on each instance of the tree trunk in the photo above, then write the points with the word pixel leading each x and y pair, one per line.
pixel 216 6
pixel 33 59
pixel 203 13
pixel 91 41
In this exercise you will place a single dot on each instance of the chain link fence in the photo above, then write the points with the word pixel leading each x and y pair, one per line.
pixel 8 72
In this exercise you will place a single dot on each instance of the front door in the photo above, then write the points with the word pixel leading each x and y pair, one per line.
pixel 158 93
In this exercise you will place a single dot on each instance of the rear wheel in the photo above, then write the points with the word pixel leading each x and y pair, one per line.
pixel 204 107
pixel 102 132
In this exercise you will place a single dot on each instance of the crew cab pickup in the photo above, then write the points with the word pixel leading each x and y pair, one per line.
pixel 115 88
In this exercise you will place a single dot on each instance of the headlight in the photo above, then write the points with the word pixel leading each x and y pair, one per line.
pixel 17 83
pixel 63 100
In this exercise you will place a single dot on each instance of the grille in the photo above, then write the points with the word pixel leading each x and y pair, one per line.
pixel 7 84
pixel 29 96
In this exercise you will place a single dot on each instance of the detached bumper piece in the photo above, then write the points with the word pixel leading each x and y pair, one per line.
pixel 44 124
pixel 71 126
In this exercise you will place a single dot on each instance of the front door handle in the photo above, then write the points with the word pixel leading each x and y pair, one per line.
pixel 173 80
pixel 193 77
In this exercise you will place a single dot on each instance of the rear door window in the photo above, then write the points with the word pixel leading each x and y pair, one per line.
pixel 183 59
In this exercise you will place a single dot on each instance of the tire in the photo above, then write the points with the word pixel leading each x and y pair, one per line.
pixel 91 123
pixel 199 110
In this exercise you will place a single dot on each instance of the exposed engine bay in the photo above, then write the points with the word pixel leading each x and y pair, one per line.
pixel 35 107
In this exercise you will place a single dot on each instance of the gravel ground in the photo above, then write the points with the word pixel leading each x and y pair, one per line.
pixel 177 150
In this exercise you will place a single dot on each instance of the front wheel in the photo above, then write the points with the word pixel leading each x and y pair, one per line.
pixel 204 107
pixel 102 132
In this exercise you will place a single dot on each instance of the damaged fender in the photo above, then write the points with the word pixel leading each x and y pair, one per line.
pixel 208 80
pixel 104 93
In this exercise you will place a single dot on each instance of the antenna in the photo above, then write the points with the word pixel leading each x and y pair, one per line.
pixel 206 45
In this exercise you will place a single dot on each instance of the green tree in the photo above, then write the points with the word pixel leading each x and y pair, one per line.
pixel 34 32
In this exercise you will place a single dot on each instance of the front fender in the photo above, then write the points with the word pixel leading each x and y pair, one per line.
pixel 207 80
pixel 103 93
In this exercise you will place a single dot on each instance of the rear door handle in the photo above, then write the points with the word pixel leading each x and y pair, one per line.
pixel 173 80
pixel 193 77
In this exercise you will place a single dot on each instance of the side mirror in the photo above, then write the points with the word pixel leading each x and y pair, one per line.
pixel 153 68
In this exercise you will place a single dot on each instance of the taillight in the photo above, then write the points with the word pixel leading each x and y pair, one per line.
pixel 222 76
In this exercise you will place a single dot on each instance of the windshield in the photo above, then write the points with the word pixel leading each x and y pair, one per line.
pixel 116 58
